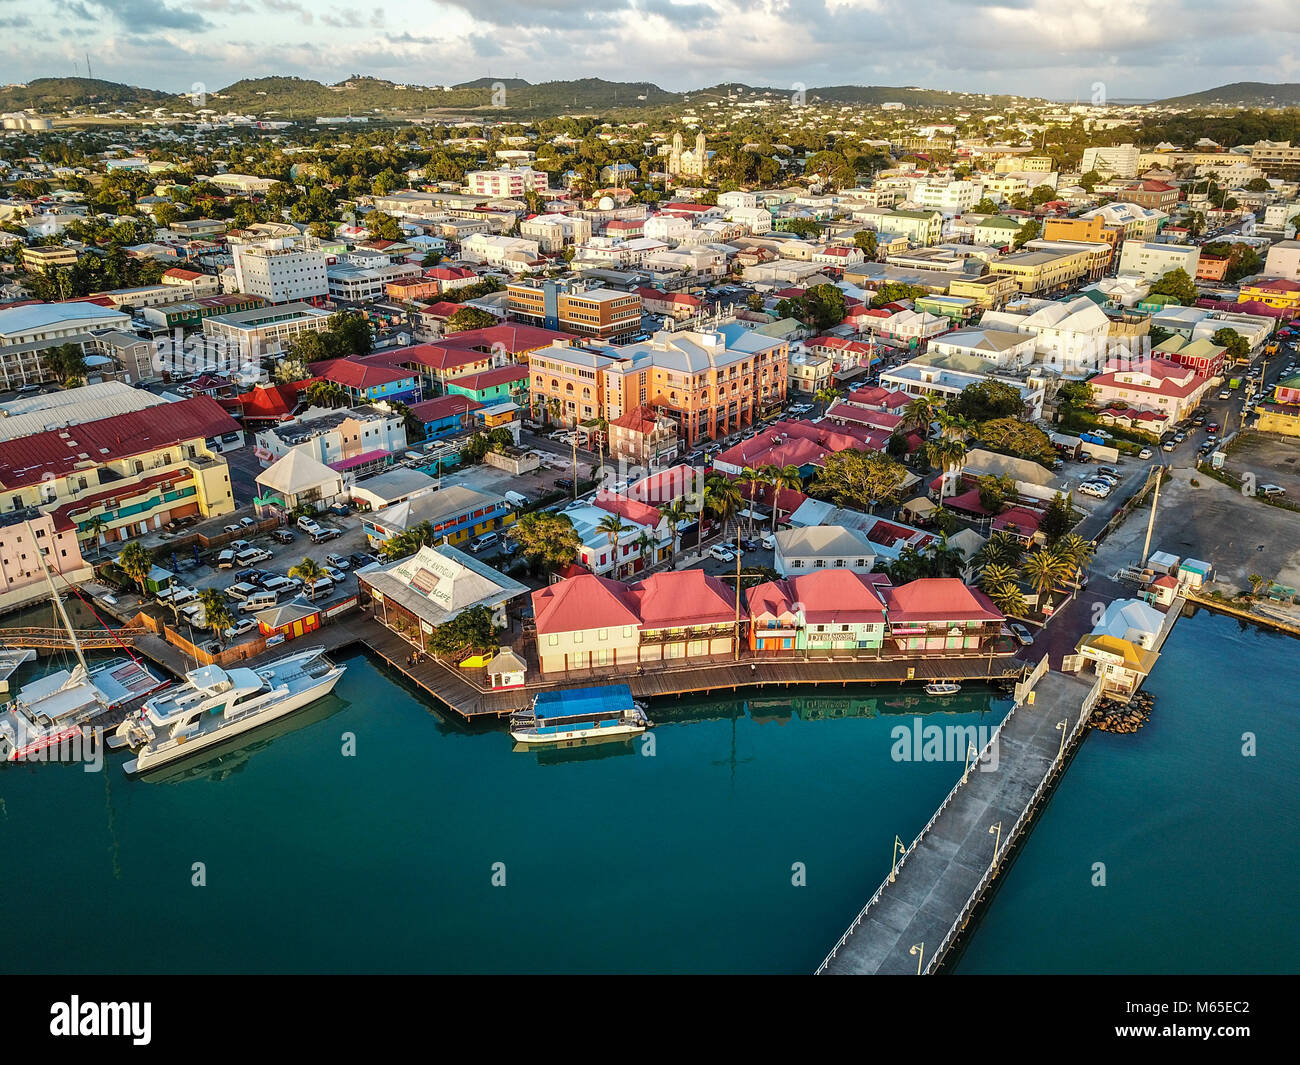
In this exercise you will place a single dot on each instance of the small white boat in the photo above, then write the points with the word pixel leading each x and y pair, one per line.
pixel 215 704
pixel 942 687
pixel 580 714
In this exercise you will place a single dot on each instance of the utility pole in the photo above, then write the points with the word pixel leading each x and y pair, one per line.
pixel 1151 521
pixel 736 642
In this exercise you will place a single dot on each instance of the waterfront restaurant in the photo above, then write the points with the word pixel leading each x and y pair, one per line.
pixel 941 614
pixel 430 588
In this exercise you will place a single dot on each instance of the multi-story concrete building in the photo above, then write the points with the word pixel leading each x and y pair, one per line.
pixel 280 270
pixel 125 475
pixel 360 284
pixel 266 330
pixel 27 535
pixel 507 183
pixel 191 283
pixel 950 197
pixel 334 438
pixel 1155 194
pixel 575 307
pixel 552 233
pixel 1153 261
pixel 1042 271
pixel 39 259
pixel 1283 260
pixel 1138 223
pixel 1116 160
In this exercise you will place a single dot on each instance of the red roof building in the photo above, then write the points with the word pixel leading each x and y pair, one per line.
pixel 941 614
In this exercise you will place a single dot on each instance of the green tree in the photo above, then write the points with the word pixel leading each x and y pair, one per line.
pixel 865 240
pixel 136 563
pixel 986 401
pixel 1045 570
pixel 1057 519
pixel 674 512
pixel 1027 232
pixel 216 612
pixel 1177 284
pixel 1011 436
pixel 310 572
pixel 895 291
pixel 1238 347
pixel 859 479
pixel 547 541
pixel 470 318
pixel 382 226
pixel 469 632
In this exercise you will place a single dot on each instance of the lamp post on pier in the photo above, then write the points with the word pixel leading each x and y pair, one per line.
pixel 996 831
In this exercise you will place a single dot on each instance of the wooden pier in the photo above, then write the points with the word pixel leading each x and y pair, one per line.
pixel 464 691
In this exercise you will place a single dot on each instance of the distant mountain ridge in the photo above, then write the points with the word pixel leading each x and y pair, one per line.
pixel 1240 94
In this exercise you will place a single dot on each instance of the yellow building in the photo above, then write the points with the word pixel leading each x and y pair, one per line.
pixel 126 475
pixel 990 291
pixel 1274 291
pixel 1038 271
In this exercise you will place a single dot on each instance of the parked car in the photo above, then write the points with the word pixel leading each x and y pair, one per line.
pixel 248 523
pixel 564 482
pixel 485 543
pixel 177 593
pixel 1021 633
pixel 1145 453
pixel 722 554
pixel 283 536
pixel 324 533
pixel 334 574
pixel 1212 428
pixel 769 541
pixel 360 558
pixel 338 561
pixel 1270 490
pixel 240 591
pixel 232 528
pixel 250 556
pixel 308 525
pixel 1225 394
pixel 1110 471
pixel 241 626
pixel 226 560
pixel 1168 445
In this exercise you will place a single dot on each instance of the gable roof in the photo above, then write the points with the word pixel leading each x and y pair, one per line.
pixel 939 599
pixel 582 602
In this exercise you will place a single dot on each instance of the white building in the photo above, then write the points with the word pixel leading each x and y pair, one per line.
pixel 756 219
pixel 513 253
pixel 950 197
pixel 509 182
pixel 1070 336
pixel 1153 261
pixel 666 227
pixel 822 547
pixel 554 232
pixel 1118 160
pixel 280 270
pixel 1284 260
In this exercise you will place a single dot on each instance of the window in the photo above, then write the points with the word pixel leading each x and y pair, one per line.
pixel 552 640
pixel 577 637
pixel 602 634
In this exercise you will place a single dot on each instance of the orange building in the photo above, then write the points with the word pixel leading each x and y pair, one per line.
pixel 1090 230
pixel 1211 267
pixel 419 288
pixel 707 383
pixel 602 313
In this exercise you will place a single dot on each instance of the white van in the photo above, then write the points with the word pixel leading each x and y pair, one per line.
pixel 517 498
pixel 226 560
pixel 251 556
pixel 258 601
pixel 241 591
pixel 280 585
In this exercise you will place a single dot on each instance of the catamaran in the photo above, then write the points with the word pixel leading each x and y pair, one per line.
pixel 216 704
pixel 580 714
pixel 48 714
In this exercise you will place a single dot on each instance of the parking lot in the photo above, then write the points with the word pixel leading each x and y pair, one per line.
pixel 1271 459
pixel 1214 522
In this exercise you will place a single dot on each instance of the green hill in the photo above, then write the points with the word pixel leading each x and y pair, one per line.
pixel 59 94
pixel 1240 94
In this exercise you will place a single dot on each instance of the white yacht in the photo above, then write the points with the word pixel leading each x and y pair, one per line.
pixel 53 710
pixel 215 705
pixel 50 712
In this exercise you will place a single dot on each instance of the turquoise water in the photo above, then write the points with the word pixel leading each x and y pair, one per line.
pixel 1201 845
pixel 383 861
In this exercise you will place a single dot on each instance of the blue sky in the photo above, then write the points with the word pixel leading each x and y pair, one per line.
pixel 1053 48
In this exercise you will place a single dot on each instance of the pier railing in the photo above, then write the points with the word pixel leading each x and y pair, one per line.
pixel 990 874
pixel 982 757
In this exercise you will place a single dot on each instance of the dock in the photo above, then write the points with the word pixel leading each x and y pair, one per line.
pixel 915 917
pixel 463 692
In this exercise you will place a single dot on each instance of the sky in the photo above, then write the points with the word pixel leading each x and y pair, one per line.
pixel 1059 49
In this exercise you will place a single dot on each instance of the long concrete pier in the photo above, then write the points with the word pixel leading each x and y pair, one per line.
pixel 916 915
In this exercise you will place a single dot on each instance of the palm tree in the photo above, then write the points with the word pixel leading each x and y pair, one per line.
pixel 308 571
pixel 954 426
pixel 95 527
pixel 826 396
pixel 1078 550
pixel 753 480
pixel 675 513
pixel 1045 569
pixel 780 478
pixel 646 544
pixel 721 496
pixel 216 612
pixel 994 574
pixel 1002 547
pixel 553 411
pixel 135 563
pixel 1008 599
pixel 945 455
pixel 612 526
pixel 919 413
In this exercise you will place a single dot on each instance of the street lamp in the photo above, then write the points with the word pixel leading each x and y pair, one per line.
pixel 899 846
pixel 918 949
pixel 996 830
pixel 1064 726
pixel 970 750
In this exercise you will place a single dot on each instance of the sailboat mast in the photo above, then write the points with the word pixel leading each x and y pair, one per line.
pixel 58 602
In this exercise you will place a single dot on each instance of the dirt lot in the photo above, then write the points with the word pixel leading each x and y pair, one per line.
pixel 1273 460
pixel 1240 535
